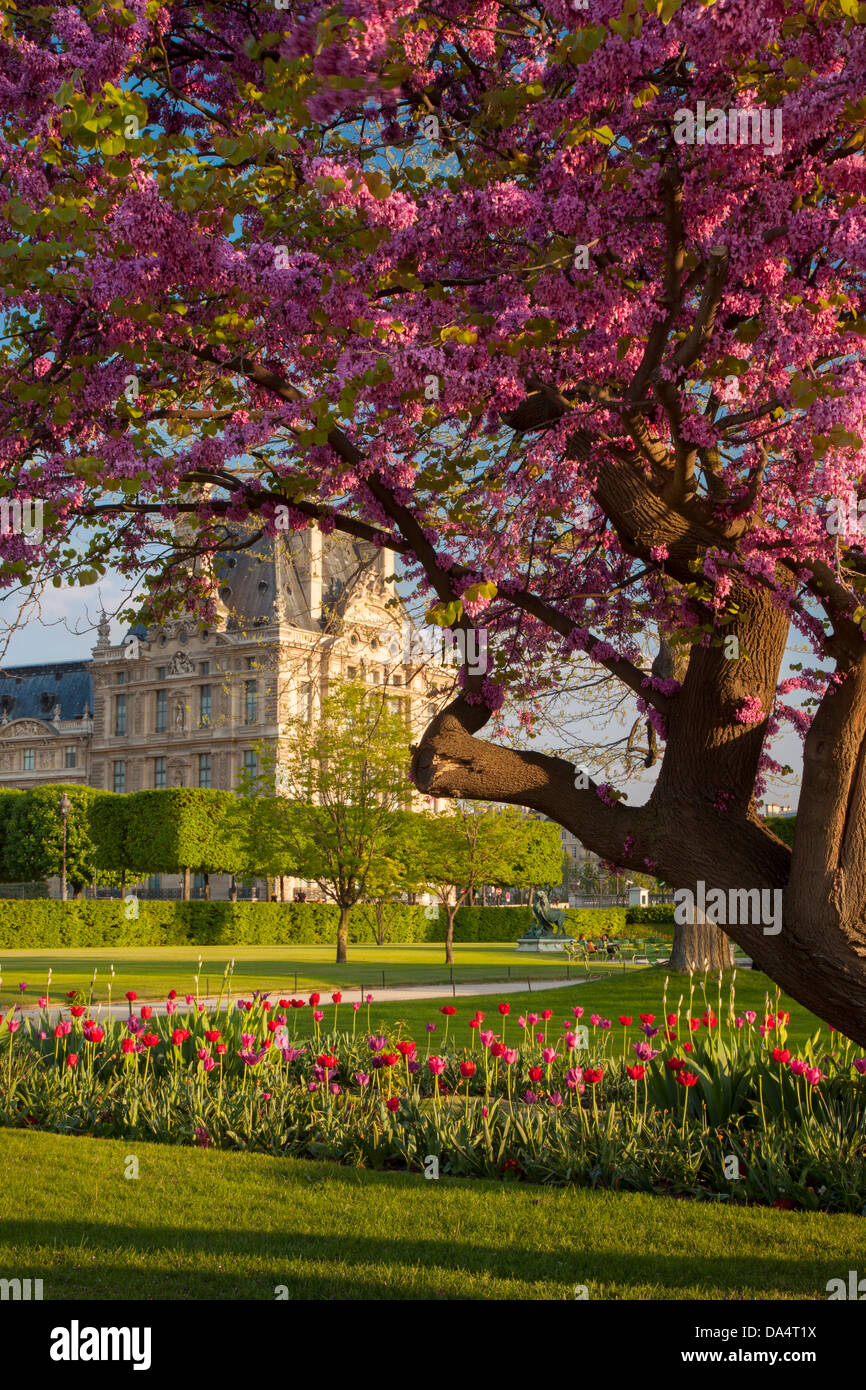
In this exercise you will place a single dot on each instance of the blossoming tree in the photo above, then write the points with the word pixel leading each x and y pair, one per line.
pixel 463 279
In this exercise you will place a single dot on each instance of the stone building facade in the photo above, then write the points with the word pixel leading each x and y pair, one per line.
pixel 185 705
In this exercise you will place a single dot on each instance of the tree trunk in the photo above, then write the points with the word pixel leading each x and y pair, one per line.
pixel 187 885
pixel 701 825
pixel 207 888
pixel 471 901
pixel 449 934
pixel 343 936
pixel 699 946
pixel 233 891
pixel 123 884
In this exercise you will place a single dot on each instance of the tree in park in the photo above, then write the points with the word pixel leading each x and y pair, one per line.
pixel 564 306
pixel 457 852
pixel 33 835
pixel 344 793
pixel 394 873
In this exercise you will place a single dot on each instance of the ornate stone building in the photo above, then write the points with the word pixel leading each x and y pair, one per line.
pixel 186 705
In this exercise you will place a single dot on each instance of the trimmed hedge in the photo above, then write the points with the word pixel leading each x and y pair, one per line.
pixel 34 924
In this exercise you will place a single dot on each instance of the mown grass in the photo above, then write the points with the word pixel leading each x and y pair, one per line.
pixel 155 970
pixel 203 1224
pixel 610 992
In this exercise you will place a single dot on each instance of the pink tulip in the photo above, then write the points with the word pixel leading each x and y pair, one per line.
pixel 437 1065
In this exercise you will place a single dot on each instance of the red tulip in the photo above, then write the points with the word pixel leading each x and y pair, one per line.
pixel 593 1075
pixel 77 1010
pixel 179 1036
pixel 212 1034
pixel 127 1045
pixel 536 1073
pixel 448 1009
pixel 467 1069
pixel 131 996
pixel 504 1008
pixel 146 1011
pixel 72 1059
pixel 392 1103
pixel 781 1054
pixel 636 1073
pixel 314 999
pixel 625 1020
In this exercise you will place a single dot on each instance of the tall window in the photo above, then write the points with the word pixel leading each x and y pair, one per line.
pixel 159 773
pixel 160 711
pixel 204 769
pixel 204 705
pixel 160 673
pixel 251 702
pixel 119 715
pixel 204 668
pixel 29 759
pixel 118 781
pixel 305 701
pixel 70 756
pixel 251 765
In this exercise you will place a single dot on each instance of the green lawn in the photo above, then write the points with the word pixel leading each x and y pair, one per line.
pixel 152 972
pixel 202 1224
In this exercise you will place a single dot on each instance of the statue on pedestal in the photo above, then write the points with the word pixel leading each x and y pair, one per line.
pixel 546 920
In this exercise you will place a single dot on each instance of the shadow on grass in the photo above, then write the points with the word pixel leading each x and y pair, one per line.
pixel 97 1260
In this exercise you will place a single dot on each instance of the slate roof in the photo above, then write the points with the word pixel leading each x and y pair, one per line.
pixel 31 692
pixel 248 578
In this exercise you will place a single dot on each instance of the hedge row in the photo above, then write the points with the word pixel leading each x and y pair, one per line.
pixel 38 923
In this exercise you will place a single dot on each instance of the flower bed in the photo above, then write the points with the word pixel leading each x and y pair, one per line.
pixel 699 1099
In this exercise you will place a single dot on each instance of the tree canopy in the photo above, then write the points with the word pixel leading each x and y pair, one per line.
pixel 566 307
